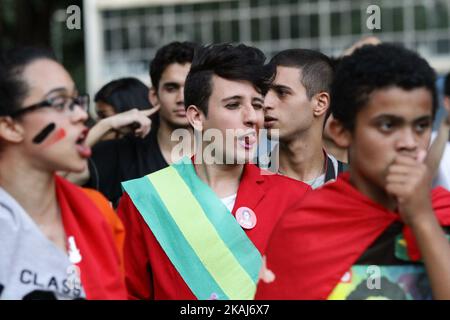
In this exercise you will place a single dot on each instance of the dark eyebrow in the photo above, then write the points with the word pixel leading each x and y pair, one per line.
pixel 424 118
pixel 280 87
pixel 171 84
pixel 388 116
pixel 398 119
pixel 258 99
pixel 61 90
pixel 232 98
pixel 57 90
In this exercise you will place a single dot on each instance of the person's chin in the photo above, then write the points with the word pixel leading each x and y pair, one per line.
pixel 180 122
pixel 76 166
pixel 273 133
pixel 244 156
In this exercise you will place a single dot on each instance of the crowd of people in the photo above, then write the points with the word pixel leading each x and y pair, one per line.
pixel 354 204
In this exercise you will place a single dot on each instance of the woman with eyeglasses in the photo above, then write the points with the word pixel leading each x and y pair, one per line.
pixel 55 242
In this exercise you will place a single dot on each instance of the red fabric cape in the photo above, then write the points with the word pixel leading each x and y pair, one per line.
pixel 317 242
pixel 100 274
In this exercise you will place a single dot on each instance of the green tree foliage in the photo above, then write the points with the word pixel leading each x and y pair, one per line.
pixel 32 22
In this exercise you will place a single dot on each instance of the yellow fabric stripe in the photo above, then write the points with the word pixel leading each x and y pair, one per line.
pixel 201 235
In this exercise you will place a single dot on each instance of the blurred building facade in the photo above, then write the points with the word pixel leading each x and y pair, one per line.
pixel 122 35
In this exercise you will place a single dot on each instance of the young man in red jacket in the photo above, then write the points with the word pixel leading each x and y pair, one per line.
pixel 379 231
pixel 198 229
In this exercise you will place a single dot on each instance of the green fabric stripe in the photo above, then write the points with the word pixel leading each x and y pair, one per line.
pixel 210 248
pixel 166 231
pixel 223 221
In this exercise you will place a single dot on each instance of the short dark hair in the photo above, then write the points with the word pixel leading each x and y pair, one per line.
pixel 124 94
pixel 228 61
pixel 174 52
pixel 447 85
pixel 317 68
pixel 371 68
pixel 13 89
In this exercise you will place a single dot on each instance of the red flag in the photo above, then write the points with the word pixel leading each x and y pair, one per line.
pixel 100 272
pixel 316 243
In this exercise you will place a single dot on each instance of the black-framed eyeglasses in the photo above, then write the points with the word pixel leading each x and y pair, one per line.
pixel 58 103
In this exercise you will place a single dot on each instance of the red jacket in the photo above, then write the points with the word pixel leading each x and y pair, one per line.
pixel 149 272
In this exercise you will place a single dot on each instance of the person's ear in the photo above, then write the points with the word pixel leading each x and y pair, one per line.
pixel 195 117
pixel 10 130
pixel 447 107
pixel 322 103
pixel 447 103
pixel 153 97
pixel 340 135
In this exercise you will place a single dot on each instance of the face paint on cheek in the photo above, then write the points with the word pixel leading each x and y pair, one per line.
pixel 41 136
pixel 48 137
pixel 59 135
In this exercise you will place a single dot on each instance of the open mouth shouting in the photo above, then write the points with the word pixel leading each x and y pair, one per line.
pixel 83 150
pixel 248 140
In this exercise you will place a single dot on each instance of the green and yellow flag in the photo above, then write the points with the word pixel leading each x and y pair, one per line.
pixel 197 232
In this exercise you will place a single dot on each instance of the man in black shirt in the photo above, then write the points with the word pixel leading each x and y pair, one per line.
pixel 119 160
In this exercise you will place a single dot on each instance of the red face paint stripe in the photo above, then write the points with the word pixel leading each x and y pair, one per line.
pixel 60 134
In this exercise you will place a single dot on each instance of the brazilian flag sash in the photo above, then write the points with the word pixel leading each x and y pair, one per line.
pixel 197 232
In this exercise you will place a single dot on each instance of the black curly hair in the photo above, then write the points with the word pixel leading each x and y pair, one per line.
pixel 228 61
pixel 174 52
pixel 372 68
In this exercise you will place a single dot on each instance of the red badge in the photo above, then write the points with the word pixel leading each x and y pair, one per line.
pixel 246 217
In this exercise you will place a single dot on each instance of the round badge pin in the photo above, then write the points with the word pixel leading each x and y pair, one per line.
pixel 246 217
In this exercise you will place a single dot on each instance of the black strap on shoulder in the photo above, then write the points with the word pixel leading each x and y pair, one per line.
pixel 330 174
pixel 342 167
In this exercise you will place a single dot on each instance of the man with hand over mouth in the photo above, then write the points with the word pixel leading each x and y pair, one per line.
pixel 379 231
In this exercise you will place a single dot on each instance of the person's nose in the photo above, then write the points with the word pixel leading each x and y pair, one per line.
pixel 269 100
pixel 407 142
pixel 180 96
pixel 78 114
pixel 250 116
